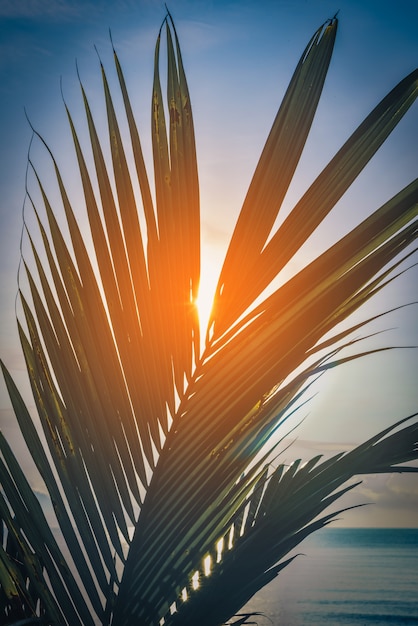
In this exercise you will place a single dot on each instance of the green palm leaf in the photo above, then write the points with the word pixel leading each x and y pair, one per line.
pixel 145 430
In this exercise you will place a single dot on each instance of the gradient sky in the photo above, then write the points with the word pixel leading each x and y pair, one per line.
pixel 239 57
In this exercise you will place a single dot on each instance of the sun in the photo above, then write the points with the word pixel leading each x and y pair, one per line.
pixel 208 280
pixel 204 302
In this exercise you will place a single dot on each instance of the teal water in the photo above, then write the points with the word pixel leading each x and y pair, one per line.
pixel 347 577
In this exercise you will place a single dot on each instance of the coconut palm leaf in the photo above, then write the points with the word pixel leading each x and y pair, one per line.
pixel 142 428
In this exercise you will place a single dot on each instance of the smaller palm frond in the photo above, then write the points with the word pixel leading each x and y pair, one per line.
pixel 144 430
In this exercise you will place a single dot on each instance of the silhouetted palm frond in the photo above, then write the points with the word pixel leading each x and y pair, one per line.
pixel 145 430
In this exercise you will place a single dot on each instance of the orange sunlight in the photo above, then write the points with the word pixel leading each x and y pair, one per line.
pixel 208 281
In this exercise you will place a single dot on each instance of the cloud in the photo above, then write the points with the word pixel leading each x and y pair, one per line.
pixel 390 499
pixel 381 500
pixel 394 491
pixel 34 9
pixel 59 10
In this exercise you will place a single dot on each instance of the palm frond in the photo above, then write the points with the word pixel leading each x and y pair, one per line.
pixel 144 430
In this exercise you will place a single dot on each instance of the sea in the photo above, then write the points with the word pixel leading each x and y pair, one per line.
pixel 345 577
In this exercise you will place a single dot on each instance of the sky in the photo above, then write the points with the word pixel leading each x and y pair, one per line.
pixel 239 57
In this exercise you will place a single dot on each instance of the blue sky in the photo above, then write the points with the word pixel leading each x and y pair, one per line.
pixel 239 57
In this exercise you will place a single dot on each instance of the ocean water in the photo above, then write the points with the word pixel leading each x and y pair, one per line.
pixel 346 577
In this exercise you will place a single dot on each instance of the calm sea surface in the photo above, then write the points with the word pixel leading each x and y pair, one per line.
pixel 349 577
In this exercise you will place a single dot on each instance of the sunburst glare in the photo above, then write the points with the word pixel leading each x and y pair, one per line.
pixel 208 281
